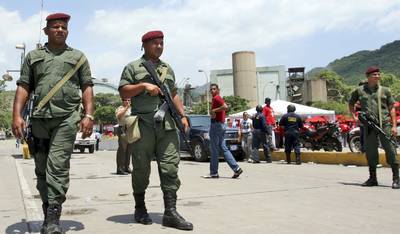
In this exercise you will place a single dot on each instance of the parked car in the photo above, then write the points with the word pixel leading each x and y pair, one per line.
pixel 88 142
pixel 200 138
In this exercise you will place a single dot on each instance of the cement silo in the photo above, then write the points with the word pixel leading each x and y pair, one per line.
pixel 244 76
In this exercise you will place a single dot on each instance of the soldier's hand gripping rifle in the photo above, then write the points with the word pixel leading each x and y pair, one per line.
pixel 168 103
pixel 372 121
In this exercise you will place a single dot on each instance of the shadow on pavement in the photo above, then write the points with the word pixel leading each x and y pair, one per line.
pixel 359 185
pixel 128 218
pixel 22 227
pixel 17 156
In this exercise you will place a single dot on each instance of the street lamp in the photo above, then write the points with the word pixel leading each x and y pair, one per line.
pixel 21 47
pixel 208 102
pixel 7 76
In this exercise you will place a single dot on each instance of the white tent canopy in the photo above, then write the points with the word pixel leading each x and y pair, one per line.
pixel 280 108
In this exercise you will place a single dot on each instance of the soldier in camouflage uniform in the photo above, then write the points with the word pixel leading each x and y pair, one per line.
pixel 368 95
pixel 54 126
pixel 158 141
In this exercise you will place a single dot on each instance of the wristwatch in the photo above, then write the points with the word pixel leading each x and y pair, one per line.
pixel 89 116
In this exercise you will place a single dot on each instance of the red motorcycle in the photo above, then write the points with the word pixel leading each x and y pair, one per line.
pixel 324 137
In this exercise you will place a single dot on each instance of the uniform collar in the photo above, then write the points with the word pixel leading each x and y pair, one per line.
pixel 371 89
pixel 160 62
pixel 46 48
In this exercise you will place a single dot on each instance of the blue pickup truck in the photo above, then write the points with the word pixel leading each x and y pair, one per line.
pixel 200 139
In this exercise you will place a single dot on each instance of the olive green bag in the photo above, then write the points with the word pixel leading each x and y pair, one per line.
pixel 132 130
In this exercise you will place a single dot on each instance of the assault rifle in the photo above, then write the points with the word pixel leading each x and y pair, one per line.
pixel 372 121
pixel 166 96
pixel 28 111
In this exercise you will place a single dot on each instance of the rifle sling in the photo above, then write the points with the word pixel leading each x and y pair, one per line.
pixel 379 94
pixel 54 90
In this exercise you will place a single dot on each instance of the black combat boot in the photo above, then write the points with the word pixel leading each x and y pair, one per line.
pixel 288 160
pixel 43 229
pixel 395 170
pixel 171 217
pixel 298 160
pixel 53 219
pixel 372 181
pixel 141 215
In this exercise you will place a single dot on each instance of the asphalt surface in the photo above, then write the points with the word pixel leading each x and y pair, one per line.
pixel 266 198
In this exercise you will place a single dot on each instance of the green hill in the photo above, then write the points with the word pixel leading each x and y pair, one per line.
pixel 352 67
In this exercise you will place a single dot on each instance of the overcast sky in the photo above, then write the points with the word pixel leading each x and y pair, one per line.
pixel 203 34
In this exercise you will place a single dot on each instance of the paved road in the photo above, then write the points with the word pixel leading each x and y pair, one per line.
pixel 267 198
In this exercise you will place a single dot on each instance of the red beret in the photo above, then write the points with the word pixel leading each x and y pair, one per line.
pixel 371 70
pixel 58 16
pixel 152 35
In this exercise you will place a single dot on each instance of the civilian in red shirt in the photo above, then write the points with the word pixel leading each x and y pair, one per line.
pixel 217 135
pixel 268 113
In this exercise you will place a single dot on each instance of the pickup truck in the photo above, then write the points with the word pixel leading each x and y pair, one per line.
pixel 88 142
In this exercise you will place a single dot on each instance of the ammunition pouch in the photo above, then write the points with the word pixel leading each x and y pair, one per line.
pixel 160 114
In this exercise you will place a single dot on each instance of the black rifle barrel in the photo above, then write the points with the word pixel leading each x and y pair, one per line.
pixel 372 122
pixel 166 96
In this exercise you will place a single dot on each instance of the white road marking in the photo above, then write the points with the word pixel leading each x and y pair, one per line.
pixel 33 216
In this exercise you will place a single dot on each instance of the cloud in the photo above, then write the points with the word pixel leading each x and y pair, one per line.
pixel 16 30
pixel 203 34
pixel 390 22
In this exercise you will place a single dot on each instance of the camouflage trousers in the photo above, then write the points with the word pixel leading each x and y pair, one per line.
pixel 162 145
pixel 54 143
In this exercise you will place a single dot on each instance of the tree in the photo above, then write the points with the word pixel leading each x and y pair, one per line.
pixel 2 85
pixel 6 99
pixel 236 104
pixel 388 79
pixel 105 115
pixel 339 108
pixel 106 104
pixel 199 108
pixel 107 99
pixel 340 92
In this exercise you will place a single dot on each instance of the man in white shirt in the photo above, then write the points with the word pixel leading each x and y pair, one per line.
pixel 246 126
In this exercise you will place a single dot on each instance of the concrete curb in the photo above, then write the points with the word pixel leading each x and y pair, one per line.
pixel 322 157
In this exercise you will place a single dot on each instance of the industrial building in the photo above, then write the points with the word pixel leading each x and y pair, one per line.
pixel 251 82
pixel 256 83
